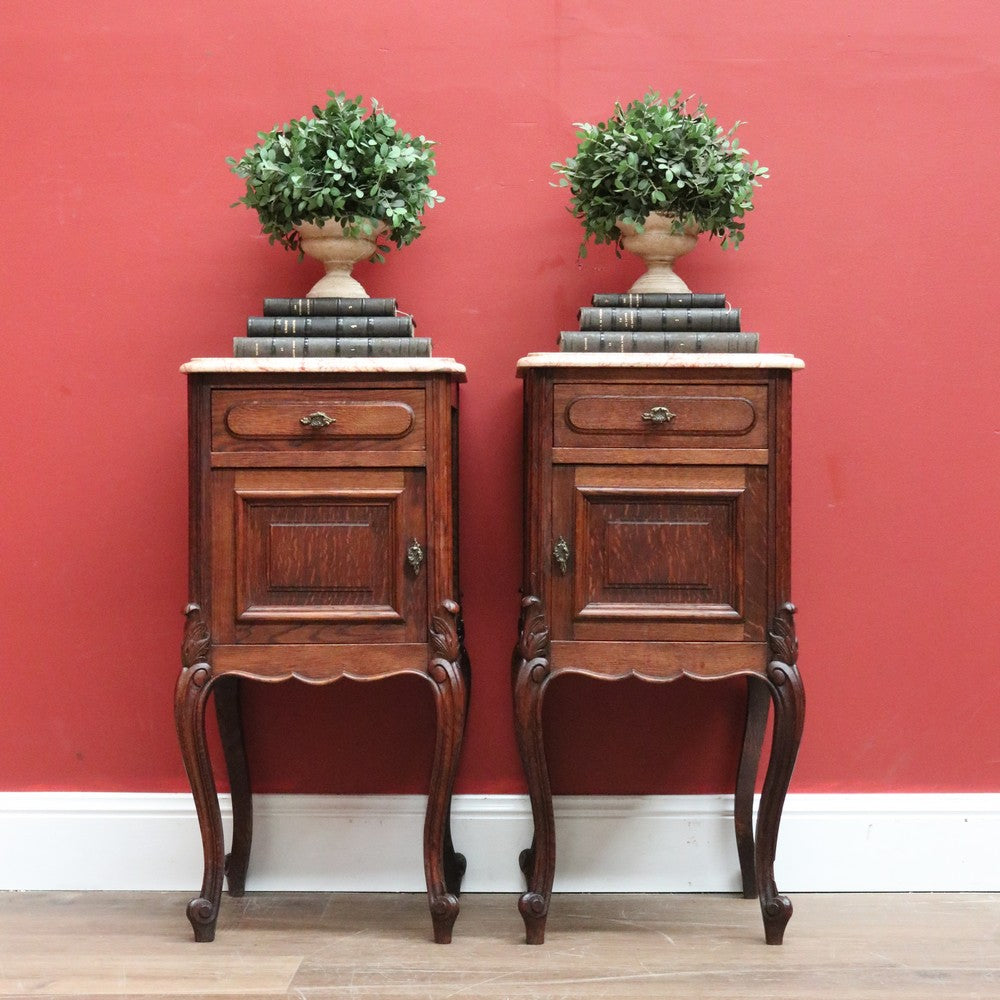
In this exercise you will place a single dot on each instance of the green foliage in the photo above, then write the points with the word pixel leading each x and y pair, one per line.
pixel 653 156
pixel 343 166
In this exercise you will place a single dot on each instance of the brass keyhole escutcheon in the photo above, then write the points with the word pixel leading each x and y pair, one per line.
pixel 560 553
pixel 415 556
pixel 658 415
pixel 317 419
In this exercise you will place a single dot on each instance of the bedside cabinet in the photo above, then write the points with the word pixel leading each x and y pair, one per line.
pixel 657 545
pixel 323 545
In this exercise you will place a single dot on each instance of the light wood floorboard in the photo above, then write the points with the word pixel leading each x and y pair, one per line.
pixel 316 946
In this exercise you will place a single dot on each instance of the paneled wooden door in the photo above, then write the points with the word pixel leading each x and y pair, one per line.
pixel 319 555
pixel 659 553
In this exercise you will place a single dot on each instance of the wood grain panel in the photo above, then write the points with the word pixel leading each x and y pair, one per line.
pixel 347 546
pixel 318 556
pixel 660 660
pixel 661 552
pixel 658 455
pixel 320 663
pixel 316 459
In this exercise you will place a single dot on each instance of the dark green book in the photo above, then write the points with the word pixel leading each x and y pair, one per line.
pixel 661 300
pixel 330 307
pixel 330 326
pixel 331 347
pixel 709 342
pixel 607 319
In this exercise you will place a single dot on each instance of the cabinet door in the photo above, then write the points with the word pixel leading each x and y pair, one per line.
pixel 312 556
pixel 659 553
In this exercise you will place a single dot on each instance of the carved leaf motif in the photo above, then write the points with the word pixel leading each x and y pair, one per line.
pixel 534 641
pixel 443 632
pixel 783 642
pixel 197 642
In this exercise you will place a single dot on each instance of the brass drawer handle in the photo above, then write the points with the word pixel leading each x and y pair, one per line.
pixel 317 419
pixel 560 553
pixel 658 415
pixel 415 556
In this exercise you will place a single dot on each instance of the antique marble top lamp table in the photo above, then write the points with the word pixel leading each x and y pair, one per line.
pixel 323 546
pixel 657 546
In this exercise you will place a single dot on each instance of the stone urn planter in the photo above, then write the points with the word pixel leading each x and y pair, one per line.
pixel 659 246
pixel 338 254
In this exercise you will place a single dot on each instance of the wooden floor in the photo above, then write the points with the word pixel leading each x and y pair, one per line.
pixel 320 945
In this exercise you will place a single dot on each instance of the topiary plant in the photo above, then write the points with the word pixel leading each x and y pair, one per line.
pixel 339 165
pixel 652 156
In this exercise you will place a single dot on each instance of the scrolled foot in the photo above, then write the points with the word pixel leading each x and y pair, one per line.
pixel 777 912
pixel 444 913
pixel 534 909
pixel 202 914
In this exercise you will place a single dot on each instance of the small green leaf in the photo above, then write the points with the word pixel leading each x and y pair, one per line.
pixel 338 164
pixel 652 155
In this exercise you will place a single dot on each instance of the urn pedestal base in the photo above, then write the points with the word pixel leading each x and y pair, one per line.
pixel 338 253
pixel 658 246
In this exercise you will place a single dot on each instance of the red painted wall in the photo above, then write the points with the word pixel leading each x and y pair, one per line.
pixel 872 255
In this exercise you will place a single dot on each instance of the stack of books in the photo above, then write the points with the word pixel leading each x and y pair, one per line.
pixel 652 322
pixel 331 328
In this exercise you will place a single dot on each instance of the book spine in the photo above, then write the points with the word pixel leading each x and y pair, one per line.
pixel 711 342
pixel 331 347
pixel 661 300
pixel 657 320
pixel 330 307
pixel 330 326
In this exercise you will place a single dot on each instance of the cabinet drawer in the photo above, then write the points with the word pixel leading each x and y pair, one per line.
pixel 351 419
pixel 660 416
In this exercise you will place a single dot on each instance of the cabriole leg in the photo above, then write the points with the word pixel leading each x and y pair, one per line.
pixel 193 688
pixel 443 866
pixel 530 666
pixel 788 697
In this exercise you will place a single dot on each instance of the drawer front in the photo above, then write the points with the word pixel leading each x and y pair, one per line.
pixel 351 419
pixel 660 416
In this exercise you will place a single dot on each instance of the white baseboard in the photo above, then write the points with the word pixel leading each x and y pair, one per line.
pixel 827 843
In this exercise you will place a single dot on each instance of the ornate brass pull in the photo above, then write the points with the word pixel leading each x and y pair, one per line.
pixel 317 419
pixel 560 552
pixel 415 556
pixel 658 415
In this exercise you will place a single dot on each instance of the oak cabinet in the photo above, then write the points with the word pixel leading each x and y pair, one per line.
pixel 657 545
pixel 323 545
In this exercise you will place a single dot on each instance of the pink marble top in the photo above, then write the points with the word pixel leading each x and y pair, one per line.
pixel 346 366
pixel 600 359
